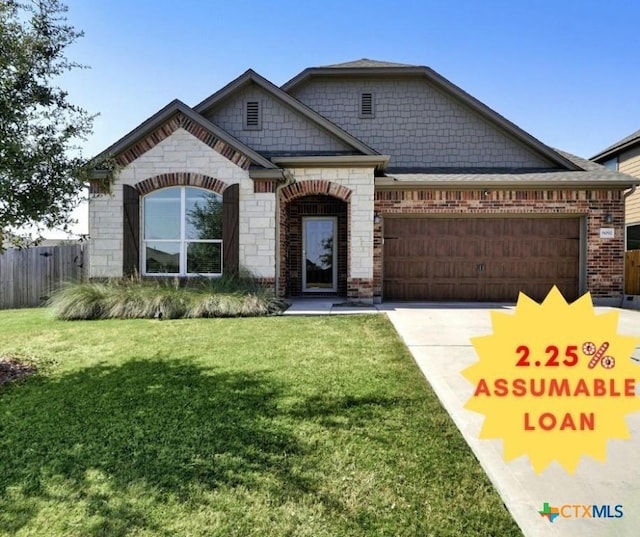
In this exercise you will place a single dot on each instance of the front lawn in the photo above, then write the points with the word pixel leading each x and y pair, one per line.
pixel 280 426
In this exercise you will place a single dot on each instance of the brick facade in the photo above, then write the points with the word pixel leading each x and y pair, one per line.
pixel 604 257
pixel 291 223
pixel 179 157
pixel 352 186
pixel 180 179
pixel 311 198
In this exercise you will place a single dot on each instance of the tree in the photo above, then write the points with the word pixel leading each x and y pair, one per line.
pixel 41 169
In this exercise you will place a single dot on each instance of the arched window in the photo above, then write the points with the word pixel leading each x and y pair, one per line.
pixel 182 232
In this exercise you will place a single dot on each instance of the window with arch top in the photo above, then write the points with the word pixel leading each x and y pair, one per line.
pixel 182 232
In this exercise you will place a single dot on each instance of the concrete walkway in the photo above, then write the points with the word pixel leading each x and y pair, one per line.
pixel 438 336
pixel 325 306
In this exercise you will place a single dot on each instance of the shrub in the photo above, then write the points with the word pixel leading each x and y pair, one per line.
pixel 135 298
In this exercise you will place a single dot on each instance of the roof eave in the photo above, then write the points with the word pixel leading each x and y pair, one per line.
pixel 141 130
pixel 177 106
pixel 615 151
pixel 379 162
pixel 358 71
pixel 389 183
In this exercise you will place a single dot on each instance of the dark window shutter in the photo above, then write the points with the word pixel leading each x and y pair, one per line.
pixel 131 231
pixel 230 228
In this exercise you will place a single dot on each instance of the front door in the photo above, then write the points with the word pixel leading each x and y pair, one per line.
pixel 319 254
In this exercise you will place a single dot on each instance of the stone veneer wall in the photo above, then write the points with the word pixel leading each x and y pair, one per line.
pixel 178 153
pixel 352 185
pixel 604 257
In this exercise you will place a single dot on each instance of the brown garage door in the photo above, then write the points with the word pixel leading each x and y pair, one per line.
pixel 484 259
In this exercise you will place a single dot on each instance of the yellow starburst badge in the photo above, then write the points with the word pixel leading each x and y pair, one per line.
pixel 554 381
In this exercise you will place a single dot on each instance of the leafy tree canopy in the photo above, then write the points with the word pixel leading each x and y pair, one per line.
pixel 41 169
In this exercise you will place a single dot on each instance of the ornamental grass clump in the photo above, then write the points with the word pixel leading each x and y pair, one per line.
pixel 135 298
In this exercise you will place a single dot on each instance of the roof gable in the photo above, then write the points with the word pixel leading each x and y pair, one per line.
pixel 241 83
pixel 166 121
pixel 370 69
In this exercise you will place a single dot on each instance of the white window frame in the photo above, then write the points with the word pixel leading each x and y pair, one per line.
pixel 183 240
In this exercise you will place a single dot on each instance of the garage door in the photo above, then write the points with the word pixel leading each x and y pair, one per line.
pixel 483 259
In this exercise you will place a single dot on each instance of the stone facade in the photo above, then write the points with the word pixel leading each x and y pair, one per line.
pixel 417 125
pixel 604 257
pixel 178 153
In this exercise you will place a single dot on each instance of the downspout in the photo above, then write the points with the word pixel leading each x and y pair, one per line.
pixel 624 272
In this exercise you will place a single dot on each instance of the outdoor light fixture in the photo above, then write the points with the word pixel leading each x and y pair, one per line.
pixel 376 218
pixel 608 218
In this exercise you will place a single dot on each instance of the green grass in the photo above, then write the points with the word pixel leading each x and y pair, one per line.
pixel 275 426
pixel 145 299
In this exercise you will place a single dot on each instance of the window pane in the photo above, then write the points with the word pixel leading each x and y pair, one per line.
pixel 203 214
pixel 162 214
pixel 162 257
pixel 204 258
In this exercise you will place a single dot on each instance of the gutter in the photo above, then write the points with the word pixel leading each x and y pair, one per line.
pixel 395 184
pixel 627 194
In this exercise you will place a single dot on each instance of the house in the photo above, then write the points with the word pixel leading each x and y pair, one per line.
pixel 624 156
pixel 367 179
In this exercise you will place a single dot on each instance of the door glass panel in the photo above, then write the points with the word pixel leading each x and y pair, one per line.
pixel 319 251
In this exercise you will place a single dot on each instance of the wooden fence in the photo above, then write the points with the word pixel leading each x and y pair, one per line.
pixel 28 277
pixel 632 272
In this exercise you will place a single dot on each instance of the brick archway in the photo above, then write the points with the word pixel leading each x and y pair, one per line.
pixel 165 180
pixel 304 199
pixel 318 187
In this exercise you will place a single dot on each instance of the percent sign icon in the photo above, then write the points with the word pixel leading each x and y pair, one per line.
pixel 589 349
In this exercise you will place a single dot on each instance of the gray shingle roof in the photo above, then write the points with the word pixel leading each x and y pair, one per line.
pixel 593 175
pixel 366 62
pixel 616 148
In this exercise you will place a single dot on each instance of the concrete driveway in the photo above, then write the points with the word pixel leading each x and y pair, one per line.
pixel 438 337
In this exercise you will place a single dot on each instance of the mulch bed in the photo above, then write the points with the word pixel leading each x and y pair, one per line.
pixel 12 369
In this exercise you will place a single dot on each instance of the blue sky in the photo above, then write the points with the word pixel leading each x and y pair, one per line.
pixel 564 71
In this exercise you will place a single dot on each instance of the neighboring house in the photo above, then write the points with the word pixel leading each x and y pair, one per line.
pixel 624 156
pixel 369 180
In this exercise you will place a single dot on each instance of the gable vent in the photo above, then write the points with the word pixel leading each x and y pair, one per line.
pixel 366 105
pixel 252 115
